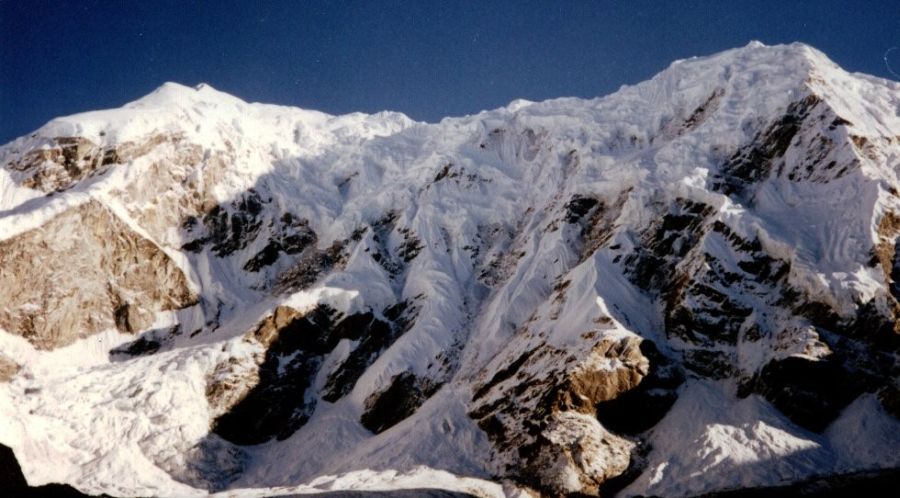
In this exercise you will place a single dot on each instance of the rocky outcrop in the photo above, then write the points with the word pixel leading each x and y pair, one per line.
pixel 811 392
pixel 8 368
pixel 403 396
pixel 274 397
pixel 291 236
pixel 374 336
pixel 226 228
pixel 70 160
pixel 82 272
pixel 666 242
pixel 272 401
pixel 755 162
pixel 596 220
pixel 306 269
pixel 540 412
pixel 710 301
pixel 639 409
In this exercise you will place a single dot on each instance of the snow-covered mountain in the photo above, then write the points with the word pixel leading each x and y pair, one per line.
pixel 684 287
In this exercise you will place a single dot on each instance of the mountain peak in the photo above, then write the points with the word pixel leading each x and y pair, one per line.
pixel 779 60
pixel 171 93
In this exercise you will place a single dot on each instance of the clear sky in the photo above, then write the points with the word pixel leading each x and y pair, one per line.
pixel 428 59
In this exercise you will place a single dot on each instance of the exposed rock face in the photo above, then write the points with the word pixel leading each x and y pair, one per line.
pixel 595 219
pixel 227 229
pixel 720 289
pixel 273 402
pixel 639 409
pixel 274 397
pixel 666 242
pixel 292 237
pixel 82 272
pixel 374 337
pixel 71 160
pixel 540 411
pixel 309 267
pixel 811 392
pixel 755 162
pixel 403 396
pixel 8 368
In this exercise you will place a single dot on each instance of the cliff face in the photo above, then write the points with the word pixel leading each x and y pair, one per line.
pixel 84 271
pixel 683 287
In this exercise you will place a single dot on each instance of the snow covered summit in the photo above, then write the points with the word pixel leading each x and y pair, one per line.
pixel 683 287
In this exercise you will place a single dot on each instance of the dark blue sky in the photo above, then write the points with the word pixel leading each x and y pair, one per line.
pixel 426 58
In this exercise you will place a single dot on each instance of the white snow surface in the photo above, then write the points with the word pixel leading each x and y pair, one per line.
pixel 125 428
pixel 711 441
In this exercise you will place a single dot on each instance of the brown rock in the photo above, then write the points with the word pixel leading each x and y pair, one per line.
pixel 8 368
pixel 73 159
pixel 540 413
pixel 82 272
pixel 257 402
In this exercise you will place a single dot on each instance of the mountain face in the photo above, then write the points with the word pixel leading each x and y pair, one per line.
pixel 688 286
